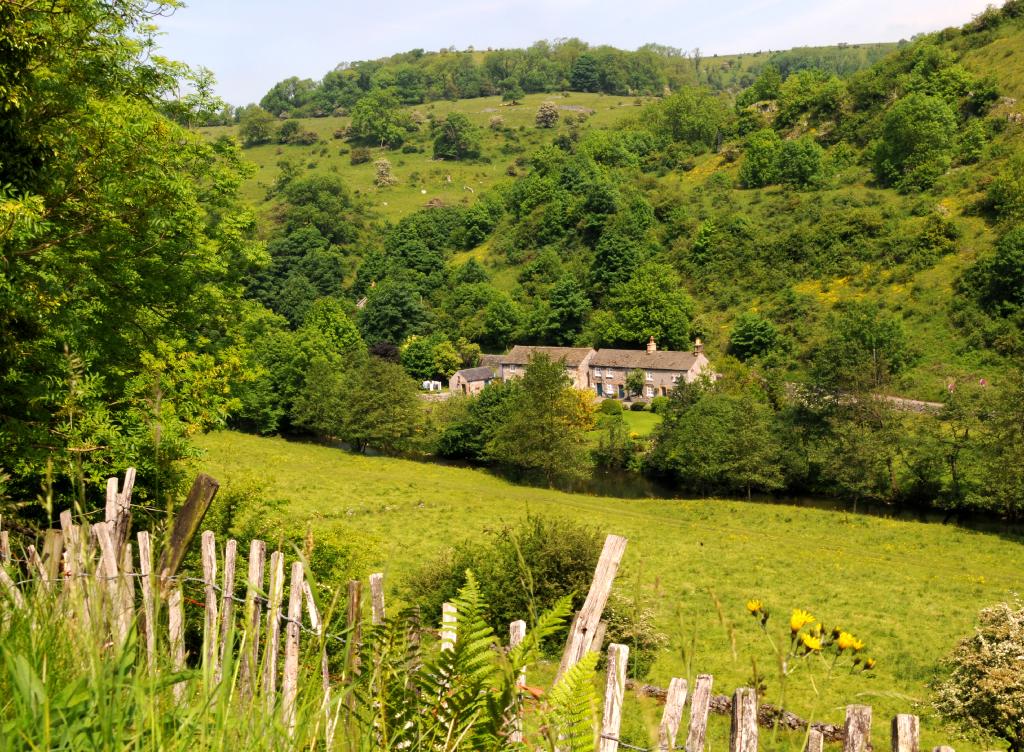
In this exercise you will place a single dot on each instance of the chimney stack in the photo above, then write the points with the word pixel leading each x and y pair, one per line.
pixel 698 346
pixel 652 346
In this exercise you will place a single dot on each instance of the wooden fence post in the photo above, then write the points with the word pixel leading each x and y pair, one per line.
pixel 815 740
pixel 227 606
pixel 253 614
pixel 290 683
pixel 11 588
pixel 53 547
pixel 615 688
pixel 211 632
pixel 176 630
pixel 516 634
pixel 743 733
pixel 37 564
pixel 449 626
pixel 675 701
pixel 118 513
pixel 906 733
pixel 354 624
pixel 187 522
pixel 270 653
pixel 5 545
pixel 377 597
pixel 127 589
pixel 581 635
pixel 318 628
pixel 108 571
pixel 148 610
pixel 699 706
pixel 857 732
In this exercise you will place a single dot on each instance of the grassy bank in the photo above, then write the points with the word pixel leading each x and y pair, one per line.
pixel 909 588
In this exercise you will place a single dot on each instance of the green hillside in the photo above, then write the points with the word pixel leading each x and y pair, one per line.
pixel 891 581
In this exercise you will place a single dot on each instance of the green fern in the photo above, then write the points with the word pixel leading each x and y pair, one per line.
pixel 569 723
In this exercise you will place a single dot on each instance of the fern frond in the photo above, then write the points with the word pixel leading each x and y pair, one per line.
pixel 573 703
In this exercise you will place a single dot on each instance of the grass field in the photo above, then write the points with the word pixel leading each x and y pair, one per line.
pixel 421 177
pixel 908 588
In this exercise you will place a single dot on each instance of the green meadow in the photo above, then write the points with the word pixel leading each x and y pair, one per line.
pixel 908 588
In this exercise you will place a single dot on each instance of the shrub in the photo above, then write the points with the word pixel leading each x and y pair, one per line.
pixel 359 155
pixel 411 149
pixel 659 405
pixel 521 570
pixel 638 407
pixel 985 689
pixel 632 622
pixel 547 115
pixel 610 407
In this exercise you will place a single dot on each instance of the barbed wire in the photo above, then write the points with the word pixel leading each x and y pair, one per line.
pixel 627 745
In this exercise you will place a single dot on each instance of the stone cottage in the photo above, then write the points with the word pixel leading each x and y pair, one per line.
pixel 470 380
pixel 663 369
pixel 575 359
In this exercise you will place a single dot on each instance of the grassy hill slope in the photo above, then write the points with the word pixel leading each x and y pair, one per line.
pixel 909 588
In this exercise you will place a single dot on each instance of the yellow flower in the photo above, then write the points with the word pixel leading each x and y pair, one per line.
pixel 847 641
pixel 813 644
pixel 869 664
pixel 799 620
pixel 755 607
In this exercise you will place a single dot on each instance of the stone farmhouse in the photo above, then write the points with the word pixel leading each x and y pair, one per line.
pixel 604 372
pixel 471 380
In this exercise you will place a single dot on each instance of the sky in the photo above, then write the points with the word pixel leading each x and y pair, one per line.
pixel 252 44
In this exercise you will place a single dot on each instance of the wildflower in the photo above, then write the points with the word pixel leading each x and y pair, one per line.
pixel 811 644
pixel 847 641
pixel 799 620
pixel 755 607
pixel 869 663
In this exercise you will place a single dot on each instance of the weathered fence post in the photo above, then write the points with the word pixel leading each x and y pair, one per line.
pixel 53 546
pixel 699 706
pixel 815 740
pixel 176 629
pixel 857 732
pixel 377 597
pixel 318 628
pixel 581 634
pixel 354 624
pixel 743 733
pixel 37 564
pixel 675 701
pixel 227 606
pixel 516 634
pixel 290 683
pixel 148 610
pixel 449 626
pixel 108 571
pixel 187 522
pixel 253 613
pixel 5 546
pixel 270 653
pixel 126 604
pixel 906 733
pixel 211 632
pixel 615 688
pixel 11 588
pixel 118 512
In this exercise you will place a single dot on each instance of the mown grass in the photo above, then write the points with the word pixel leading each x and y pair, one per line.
pixel 909 588
pixel 421 178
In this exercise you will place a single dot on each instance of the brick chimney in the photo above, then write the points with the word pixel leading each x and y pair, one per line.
pixel 698 346
pixel 652 346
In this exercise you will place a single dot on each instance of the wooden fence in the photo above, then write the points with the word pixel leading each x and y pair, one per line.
pixel 109 585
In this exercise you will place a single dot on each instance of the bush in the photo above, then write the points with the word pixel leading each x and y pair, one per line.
pixel 610 407
pixel 985 690
pixel 521 569
pixel 638 407
pixel 659 405
pixel 411 149
pixel 547 115
pixel 359 155
pixel 632 622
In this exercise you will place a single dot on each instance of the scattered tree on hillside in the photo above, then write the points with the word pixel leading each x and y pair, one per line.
pixel 547 115
pixel 751 335
pixel 383 177
pixel 457 138
pixel 256 126
pixel 378 118
pixel 915 146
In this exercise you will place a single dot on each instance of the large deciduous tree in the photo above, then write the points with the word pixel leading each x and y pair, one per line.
pixel 121 249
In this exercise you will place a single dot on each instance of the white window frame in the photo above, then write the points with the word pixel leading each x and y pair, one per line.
pixel 649 391
pixel 597 373
pixel 650 376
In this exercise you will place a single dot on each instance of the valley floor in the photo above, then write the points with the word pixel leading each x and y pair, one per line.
pixel 910 589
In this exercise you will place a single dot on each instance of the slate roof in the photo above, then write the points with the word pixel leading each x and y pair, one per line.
pixel 521 354
pixel 491 361
pixel 481 373
pixel 659 360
